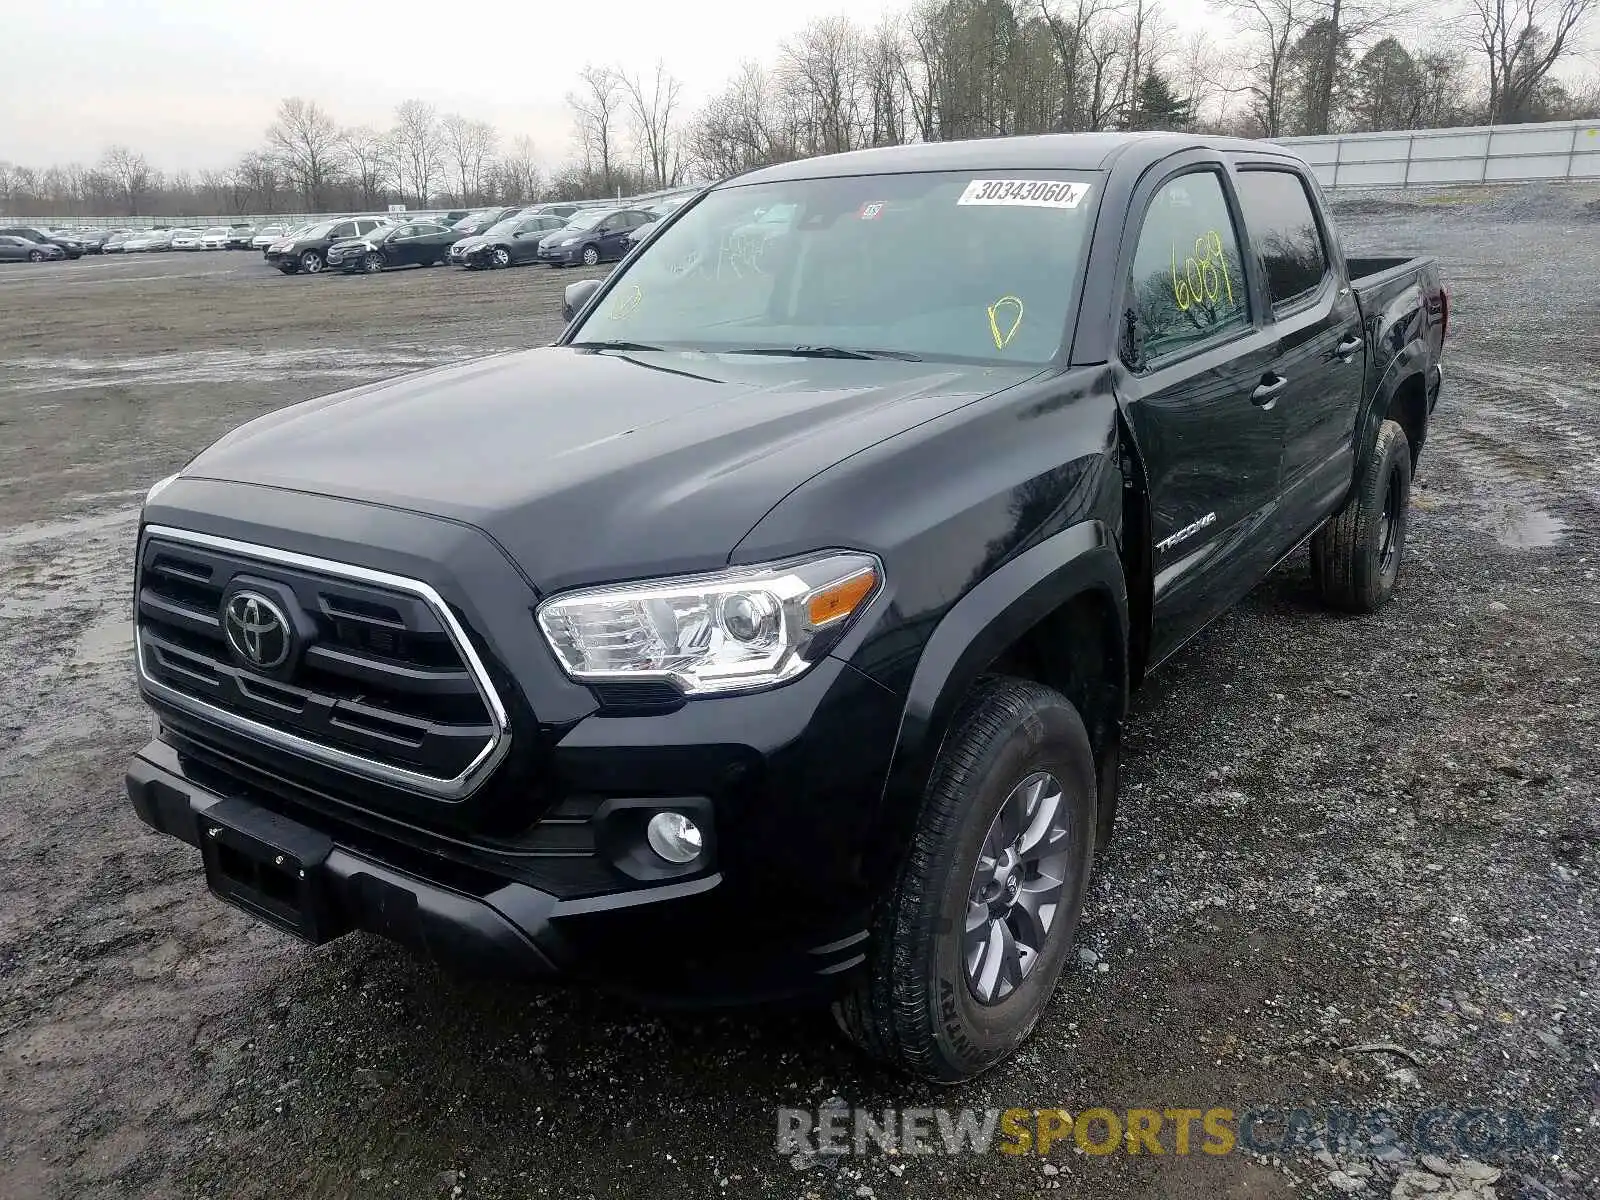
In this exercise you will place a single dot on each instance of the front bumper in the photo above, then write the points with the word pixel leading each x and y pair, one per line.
pixel 561 256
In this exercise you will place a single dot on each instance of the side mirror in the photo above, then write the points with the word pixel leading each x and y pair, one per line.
pixel 577 295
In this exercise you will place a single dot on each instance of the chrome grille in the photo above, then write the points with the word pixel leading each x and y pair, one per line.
pixel 384 682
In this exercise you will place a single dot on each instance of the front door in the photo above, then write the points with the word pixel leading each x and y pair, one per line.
pixel 1203 403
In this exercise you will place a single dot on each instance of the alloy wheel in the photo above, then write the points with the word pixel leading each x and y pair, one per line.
pixel 1017 887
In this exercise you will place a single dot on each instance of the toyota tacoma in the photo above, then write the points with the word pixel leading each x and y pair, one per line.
pixel 769 634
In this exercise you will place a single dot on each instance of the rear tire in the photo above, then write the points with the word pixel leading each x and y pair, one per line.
pixel 1356 557
pixel 35 256
pixel 932 1001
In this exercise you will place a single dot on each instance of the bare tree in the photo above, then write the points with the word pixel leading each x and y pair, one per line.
pixel 519 171
pixel 1270 27
pixel 470 147
pixel 366 160
pixel 1521 41
pixel 653 112
pixel 305 141
pixel 596 104
pixel 129 173
pixel 417 148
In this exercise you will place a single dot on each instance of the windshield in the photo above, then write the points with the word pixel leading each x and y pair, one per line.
pixel 508 226
pixel 940 265
pixel 315 231
pixel 587 219
pixel 216 230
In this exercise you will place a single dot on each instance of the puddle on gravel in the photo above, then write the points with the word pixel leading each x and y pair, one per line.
pixel 1526 528
pixel 44 373
pixel 44 531
pixel 108 640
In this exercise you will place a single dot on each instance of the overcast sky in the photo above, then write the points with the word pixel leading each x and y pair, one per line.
pixel 193 83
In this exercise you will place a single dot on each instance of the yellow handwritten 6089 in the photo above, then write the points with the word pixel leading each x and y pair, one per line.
pixel 1205 273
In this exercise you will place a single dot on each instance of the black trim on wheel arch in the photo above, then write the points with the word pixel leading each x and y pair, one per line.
pixel 992 616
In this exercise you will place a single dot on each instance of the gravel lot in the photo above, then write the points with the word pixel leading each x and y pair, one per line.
pixel 1336 833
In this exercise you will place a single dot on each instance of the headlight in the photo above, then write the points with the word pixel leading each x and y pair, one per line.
pixel 571 241
pixel 747 627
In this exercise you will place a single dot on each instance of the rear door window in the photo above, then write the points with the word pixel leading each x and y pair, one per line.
pixel 1189 286
pixel 1278 213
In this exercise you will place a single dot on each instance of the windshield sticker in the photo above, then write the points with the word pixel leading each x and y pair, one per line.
pixel 1028 193
pixel 625 304
pixel 869 212
pixel 1007 312
pixel 1205 273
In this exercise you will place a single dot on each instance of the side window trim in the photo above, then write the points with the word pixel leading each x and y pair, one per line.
pixel 1254 299
pixel 1300 301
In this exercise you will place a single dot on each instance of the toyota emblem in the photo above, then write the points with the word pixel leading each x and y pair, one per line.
pixel 257 630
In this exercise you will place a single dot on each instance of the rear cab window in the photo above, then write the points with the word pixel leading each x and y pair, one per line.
pixel 1284 228
pixel 1188 286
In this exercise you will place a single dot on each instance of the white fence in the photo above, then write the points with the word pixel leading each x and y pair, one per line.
pixel 1552 152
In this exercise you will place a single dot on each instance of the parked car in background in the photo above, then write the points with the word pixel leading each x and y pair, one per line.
pixel 118 240
pixel 514 240
pixel 306 250
pixel 266 235
pixel 185 239
pixel 150 239
pixel 93 241
pixel 21 249
pixel 562 210
pixel 239 236
pixel 414 244
pixel 70 246
pixel 482 221
pixel 214 238
pixel 594 235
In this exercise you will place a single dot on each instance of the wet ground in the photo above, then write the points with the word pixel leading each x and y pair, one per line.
pixel 1358 865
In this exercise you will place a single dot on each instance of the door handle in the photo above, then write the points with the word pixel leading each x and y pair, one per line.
pixel 1267 391
pixel 1346 350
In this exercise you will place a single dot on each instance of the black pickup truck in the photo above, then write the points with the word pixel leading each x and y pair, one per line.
pixel 770 633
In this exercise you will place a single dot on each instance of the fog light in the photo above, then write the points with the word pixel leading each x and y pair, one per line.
pixel 674 837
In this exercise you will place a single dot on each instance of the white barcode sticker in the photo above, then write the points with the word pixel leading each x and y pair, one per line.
pixel 1030 193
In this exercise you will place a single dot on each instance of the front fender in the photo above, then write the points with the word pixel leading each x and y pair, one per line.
pixel 992 616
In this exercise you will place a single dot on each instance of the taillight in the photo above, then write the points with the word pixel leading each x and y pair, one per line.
pixel 1444 308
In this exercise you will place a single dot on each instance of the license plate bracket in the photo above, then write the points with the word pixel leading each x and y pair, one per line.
pixel 272 867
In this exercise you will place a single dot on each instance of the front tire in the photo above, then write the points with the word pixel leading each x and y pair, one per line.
pixel 967 949
pixel 591 256
pixel 372 263
pixel 36 256
pixel 311 262
pixel 500 257
pixel 1356 557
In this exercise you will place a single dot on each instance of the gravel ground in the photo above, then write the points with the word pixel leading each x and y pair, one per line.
pixel 1338 833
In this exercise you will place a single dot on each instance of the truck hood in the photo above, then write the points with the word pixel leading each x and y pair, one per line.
pixel 593 466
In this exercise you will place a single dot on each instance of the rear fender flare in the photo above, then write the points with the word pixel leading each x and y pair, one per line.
pixel 1411 362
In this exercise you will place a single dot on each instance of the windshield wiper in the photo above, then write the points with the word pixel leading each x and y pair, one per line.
pixel 635 346
pixel 827 352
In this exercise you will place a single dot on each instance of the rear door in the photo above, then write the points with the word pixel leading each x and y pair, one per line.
pixel 1197 391
pixel 1321 352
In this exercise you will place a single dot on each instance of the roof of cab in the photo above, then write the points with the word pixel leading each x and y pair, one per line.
pixel 1044 151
